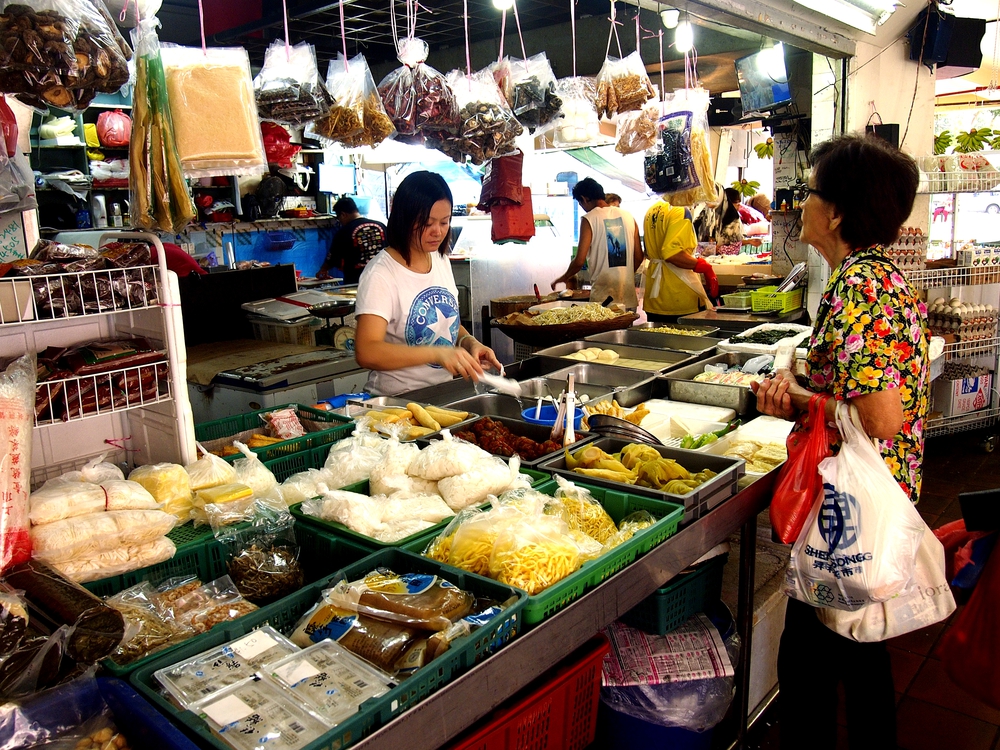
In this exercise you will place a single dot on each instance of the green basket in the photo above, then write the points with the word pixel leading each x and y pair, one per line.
pixel 463 655
pixel 339 427
pixel 415 542
pixel 205 557
pixel 737 299
pixel 766 299
pixel 685 595
pixel 618 505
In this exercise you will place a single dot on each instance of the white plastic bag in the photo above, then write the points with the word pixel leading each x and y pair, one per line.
pixel 927 601
pixel 860 541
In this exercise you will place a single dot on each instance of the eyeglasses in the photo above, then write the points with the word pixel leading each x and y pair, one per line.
pixel 802 193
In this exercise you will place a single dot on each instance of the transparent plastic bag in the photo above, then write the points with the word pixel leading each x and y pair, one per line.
pixel 532 93
pixel 288 88
pixel 358 117
pixel 60 53
pixel 213 110
pixel 487 128
pixel 580 124
pixel 622 85
pixel 685 135
pixel 416 97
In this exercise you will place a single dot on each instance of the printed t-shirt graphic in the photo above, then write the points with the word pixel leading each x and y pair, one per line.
pixel 433 319
pixel 614 231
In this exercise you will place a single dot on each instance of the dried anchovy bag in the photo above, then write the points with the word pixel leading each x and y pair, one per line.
pixel 288 88
pixel 263 560
pixel 488 127
pixel 532 92
pixel 358 117
pixel 622 85
pixel 417 97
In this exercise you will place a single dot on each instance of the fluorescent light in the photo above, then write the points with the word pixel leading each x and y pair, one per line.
pixel 670 17
pixel 848 13
pixel 684 37
pixel 503 4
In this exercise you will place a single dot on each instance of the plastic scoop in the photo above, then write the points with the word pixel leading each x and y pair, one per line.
pixel 504 385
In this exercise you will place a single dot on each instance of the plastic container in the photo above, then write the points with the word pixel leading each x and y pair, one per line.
pixel 685 595
pixel 243 425
pixel 548 416
pixel 766 300
pixel 302 332
pixel 283 615
pixel 560 713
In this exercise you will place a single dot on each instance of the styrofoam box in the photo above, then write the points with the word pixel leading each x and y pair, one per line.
pixel 953 397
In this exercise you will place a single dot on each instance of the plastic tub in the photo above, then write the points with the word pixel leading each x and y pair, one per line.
pixel 548 416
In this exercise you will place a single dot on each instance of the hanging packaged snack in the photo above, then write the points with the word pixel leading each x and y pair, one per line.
pixel 288 88
pixel 488 127
pixel 60 53
pixel 622 85
pixel 580 124
pixel 685 136
pixel 532 92
pixel 159 197
pixel 263 560
pixel 637 131
pixel 417 97
pixel 212 107
pixel 357 117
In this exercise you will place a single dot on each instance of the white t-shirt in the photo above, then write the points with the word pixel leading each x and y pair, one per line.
pixel 610 257
pixel 421 310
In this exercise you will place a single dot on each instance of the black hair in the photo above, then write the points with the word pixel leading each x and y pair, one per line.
pixel 345 206
pixel 588 188
pixel 871 183
pixel 730 214
pixel 411 207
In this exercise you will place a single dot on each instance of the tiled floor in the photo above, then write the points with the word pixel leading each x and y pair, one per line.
pixel 932 712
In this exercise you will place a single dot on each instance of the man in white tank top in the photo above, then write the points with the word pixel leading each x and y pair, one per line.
pixel 609 244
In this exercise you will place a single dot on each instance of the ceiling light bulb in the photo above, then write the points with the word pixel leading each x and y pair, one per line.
pixel 503 4
pixel 684 37
pixel 670 17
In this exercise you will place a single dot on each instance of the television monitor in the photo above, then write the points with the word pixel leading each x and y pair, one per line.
pixel 763 80
pixel 337 178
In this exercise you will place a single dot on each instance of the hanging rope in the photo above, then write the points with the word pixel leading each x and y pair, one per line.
pixel 201 19
pixel 614 32
pixel 572 24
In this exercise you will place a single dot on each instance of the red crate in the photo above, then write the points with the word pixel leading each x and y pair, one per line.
pixel 560 714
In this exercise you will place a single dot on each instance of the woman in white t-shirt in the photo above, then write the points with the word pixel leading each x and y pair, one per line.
pixel 410 334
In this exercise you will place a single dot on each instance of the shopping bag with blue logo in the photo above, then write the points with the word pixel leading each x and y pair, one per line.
pixel 860 542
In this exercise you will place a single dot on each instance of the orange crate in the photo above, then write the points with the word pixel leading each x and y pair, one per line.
pixel 558 714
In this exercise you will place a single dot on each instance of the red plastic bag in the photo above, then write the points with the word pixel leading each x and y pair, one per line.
pixel 502 181
pixel 8 124
pixel 970 649
pixel 799 481
pixel 114 129
pixel 277 144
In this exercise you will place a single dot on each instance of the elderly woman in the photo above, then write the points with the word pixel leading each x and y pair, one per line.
pixel 869 348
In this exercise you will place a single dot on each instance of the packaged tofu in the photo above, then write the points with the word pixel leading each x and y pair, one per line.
pixel 209 672
pixel 256 712
pixel 329 679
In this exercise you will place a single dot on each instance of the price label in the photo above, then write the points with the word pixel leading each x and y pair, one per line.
pixel 227 710
pixel 253 645
pixel 296 671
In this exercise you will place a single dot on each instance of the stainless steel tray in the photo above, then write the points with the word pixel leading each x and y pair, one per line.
pixel 537 432
pixel 704 330
pixel 681 386
pixel 639 338
pixel 667 360
pixel 696 503
pixel 592 373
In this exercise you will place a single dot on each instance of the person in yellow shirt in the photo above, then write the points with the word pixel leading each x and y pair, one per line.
pixel 673 287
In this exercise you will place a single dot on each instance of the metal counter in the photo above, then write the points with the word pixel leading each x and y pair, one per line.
pixel 460 704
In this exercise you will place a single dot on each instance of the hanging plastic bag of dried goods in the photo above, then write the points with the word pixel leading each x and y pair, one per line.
pixel 417 97
pixel 263 560
pixel 685 132
pixel 288 88
pixel 213 110
pixel 637 131
pixel 60 53
pixel 114 129
pixel 532 92
pixel 580 125
pixel 622 85
pixel 159 194
pixel 17 403
pixel 487 127
pixel 357 118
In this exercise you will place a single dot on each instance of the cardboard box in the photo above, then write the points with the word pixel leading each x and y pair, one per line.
pixel 954 397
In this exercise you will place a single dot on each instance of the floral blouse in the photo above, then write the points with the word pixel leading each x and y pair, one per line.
pixel 871 335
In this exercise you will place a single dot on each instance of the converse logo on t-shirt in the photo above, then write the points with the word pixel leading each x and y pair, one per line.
pixel 433 318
